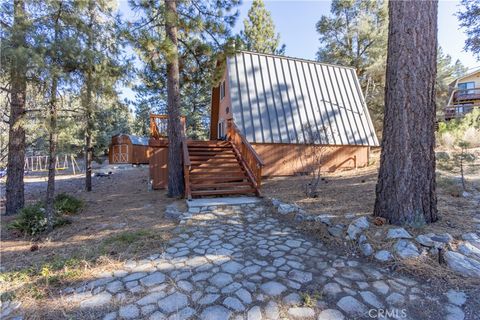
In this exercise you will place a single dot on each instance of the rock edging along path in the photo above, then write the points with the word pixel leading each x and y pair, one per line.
pixel 240 263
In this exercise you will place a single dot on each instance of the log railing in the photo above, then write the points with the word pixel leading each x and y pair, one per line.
pixel 250 157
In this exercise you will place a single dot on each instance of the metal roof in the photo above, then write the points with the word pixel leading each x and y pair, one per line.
pixel 278 99
pixel 136 140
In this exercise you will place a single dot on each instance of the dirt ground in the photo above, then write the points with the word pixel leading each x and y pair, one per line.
pixel 347 194
pixel 353 191
pixel 121 219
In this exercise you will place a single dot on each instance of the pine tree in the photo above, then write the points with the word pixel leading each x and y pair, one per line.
pixel 258 33
pixel 446 73
pixel 178 34
pixel 405 191
pixel 17 59
pixel 356 35
pixel 469 18
pixel 100 66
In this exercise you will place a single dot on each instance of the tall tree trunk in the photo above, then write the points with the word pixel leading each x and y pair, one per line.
pixel 53 135
pixel 405 192
pixel 16 135
pixel 88 103
pixel 88 133
pixel 175 173
pixel 52 154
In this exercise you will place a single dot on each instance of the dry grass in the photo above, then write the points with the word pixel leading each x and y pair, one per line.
pixel 121 220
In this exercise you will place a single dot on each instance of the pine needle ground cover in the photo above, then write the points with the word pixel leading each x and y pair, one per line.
pixel 119 220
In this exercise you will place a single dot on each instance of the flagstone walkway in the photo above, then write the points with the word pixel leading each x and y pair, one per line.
pixel 240 263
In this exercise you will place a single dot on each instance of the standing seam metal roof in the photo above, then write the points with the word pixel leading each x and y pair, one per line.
pixel 278 99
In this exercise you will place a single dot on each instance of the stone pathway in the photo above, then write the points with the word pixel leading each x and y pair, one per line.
pixel 239 263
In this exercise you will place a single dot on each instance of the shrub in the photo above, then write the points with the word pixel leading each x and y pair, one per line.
pixel 32 220
pixel 463 129
pixel 68 204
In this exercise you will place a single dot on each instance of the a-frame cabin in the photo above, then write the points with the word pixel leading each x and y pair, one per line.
pixel 268 115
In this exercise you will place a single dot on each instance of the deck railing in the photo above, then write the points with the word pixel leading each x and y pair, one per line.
pixel 466 95
pixel 159 125
pixel 252 160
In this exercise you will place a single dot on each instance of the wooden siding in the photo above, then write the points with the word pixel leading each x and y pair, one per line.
pixel 219 108
pixel 136 154
pixel 291 159
pixel 158 163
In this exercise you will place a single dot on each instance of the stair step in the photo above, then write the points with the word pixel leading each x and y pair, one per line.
pixel 213 176
pixel 215 148
pixel 211 145
pixel 214 161
pixel 198 186
pixel 221 192
pixel 215 166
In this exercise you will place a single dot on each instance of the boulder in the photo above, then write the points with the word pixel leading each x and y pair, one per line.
pixel 405 249
pixel 462 264
pixel 285 208
pixel 300 217
pixel 366 249
pixel 443 237
pixel 336 231
pixel 383 256
pixel 469 250
pixel 275 202
pixel 324 218
pixel 398 233
pixel 362 238
pixel 471 236
pixel 356 227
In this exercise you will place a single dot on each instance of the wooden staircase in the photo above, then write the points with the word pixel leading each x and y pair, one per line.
pixel 217 168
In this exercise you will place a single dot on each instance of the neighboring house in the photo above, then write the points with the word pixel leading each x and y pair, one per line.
pixel 465 95
pixel 270 116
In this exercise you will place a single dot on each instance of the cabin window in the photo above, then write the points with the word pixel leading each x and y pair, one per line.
pixel 221 130
pixel 222 90
pixel 464 86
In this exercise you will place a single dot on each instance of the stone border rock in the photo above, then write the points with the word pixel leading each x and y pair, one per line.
pixel 461 255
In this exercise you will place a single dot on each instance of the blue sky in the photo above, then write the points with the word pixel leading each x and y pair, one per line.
pixel 295 21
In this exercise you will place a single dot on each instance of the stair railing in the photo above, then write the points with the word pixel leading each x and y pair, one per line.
pixel 250 157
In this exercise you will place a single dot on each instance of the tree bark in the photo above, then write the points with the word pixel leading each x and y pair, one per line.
pixel 53 135
pixel 88 104
pixel 405 191
pixel 16 136
pixel 52 153
pixel 175 168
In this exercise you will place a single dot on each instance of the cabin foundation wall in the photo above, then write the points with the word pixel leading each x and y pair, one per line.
pixel 294 159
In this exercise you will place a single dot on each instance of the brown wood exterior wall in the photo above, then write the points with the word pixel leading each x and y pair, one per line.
pixel 219 108
pixel 136 154
pixel 291 159
pixel 158 163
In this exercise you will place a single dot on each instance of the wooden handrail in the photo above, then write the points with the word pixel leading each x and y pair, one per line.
pixel 250 157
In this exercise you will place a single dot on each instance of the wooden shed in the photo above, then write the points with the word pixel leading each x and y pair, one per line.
pixel 290 110
pixel 126 148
